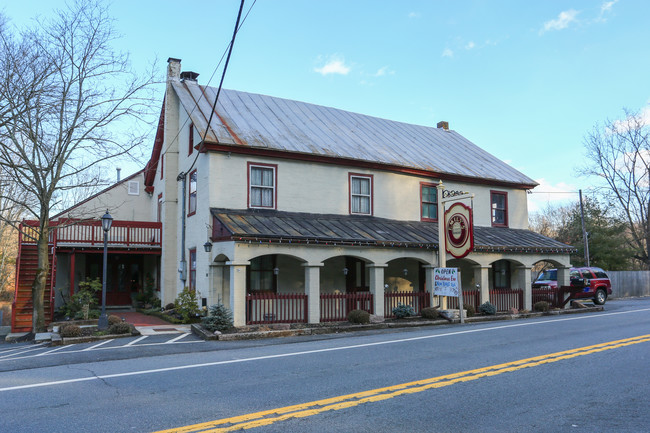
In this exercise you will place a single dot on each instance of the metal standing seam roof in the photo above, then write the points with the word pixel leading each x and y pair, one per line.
pixel 269 225
pixel 266 122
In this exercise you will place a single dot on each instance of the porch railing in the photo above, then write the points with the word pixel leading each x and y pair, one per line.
pixel 505 299
pixel 417 300
pixel 334 307
pixel 470 297
pixel 76 232
pixel 276 308
pixel 545 294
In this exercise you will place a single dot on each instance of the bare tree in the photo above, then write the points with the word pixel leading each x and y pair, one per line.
pixel 619 153
pixel 66 98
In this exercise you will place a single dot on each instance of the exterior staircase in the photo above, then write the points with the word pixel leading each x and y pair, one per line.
pixel 26 266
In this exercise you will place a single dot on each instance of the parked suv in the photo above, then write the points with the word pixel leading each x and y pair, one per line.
pixel 594 280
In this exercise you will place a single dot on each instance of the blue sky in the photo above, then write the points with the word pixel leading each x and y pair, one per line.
pixel 524 80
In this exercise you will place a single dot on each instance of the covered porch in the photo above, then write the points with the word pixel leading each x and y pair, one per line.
pixel 280 267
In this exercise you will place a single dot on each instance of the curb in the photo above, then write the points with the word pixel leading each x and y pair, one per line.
pixel 203 333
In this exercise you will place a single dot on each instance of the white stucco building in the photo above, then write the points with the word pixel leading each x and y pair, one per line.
pixel 311 211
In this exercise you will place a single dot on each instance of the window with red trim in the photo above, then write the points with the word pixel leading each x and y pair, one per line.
pixel 162 164
pixel 191 204
pixel 360 194
pixel 191 140
pixel 160 202
pixel 499 208
pixel 262 191
pixel 192 280
pixel 428 202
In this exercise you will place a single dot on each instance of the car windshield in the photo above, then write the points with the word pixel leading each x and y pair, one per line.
pixel 548 275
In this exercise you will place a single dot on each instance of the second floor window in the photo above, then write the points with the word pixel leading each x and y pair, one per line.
pixel 499 206
pixel 429 202
pixel 191 140
pixel 191 205
pixel 360 194
pixel 262 186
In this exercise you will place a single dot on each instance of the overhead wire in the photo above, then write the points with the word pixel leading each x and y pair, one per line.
pixel 214 71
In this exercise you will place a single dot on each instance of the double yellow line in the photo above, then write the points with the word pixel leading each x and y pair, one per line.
pixel 268 417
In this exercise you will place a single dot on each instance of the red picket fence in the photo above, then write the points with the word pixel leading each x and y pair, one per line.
pixel 505 299
pixel 276 308
pixel 546 294
pixel 334 307
pixel 470 297
pixel 417 300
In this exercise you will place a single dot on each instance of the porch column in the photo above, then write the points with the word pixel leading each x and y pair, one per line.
pixel 564 279
pixel 525 282
pixel 377 287
pixel 238 291
pixel 482 278
pixel 312 290
pixel 433 300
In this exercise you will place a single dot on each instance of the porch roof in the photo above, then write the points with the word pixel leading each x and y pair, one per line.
pixel 296 227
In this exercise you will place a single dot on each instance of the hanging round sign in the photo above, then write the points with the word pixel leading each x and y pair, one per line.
pixel 459 230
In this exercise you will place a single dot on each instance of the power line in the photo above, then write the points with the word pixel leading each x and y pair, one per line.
pixel 228 48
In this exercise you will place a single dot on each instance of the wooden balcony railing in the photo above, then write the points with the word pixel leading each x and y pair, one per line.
pixel 90 233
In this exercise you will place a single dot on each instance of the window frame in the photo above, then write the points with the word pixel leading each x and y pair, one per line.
pixel 192 205
pixel 159 207
pixel 494 193
pixel 192 270
pixel 274 194
pixel 263 270
pixel 428 185
pixel 370 196
pixel 190 140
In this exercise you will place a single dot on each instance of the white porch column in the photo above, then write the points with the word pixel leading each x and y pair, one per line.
pixel 312 290
pixel 564 279
pixel 482 278
pixel 525 282
pixel 428 270
pixel 238 291
pixel 377 287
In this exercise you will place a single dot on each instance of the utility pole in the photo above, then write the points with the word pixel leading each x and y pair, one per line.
pixel 585 235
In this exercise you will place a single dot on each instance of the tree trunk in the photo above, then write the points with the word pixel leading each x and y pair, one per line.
pixel 40 281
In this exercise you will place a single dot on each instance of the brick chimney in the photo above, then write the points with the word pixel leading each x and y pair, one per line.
pixel 173 68
pixel 444 125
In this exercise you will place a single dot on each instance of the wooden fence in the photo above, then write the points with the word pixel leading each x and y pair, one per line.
pixel 417 300
pixel 334 307
pixel 276 308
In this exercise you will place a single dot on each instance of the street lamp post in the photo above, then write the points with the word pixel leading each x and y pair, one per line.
pixel 107 221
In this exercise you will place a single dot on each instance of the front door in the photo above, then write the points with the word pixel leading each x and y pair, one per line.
pixel 123 279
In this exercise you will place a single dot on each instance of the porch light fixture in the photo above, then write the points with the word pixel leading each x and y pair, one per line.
pixel 107 222
pixel 345 271
pixel 276 271
pixel 406 272
pixel 207 246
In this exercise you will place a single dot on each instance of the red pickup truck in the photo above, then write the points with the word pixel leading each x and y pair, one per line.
pixel 595 281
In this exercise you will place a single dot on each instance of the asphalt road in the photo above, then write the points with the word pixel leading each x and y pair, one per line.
pixel 578 373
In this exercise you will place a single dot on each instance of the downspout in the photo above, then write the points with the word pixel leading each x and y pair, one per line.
pixel 182 177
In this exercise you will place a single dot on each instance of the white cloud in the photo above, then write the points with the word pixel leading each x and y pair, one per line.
pixel 383 71
pixel 560 193
pixel 447 53
pixel 414 15
pixel 563 20
pixel 470 45
pixel 607 6
pixel 333 65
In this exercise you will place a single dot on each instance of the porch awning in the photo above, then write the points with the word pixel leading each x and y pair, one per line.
pixel 255 225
